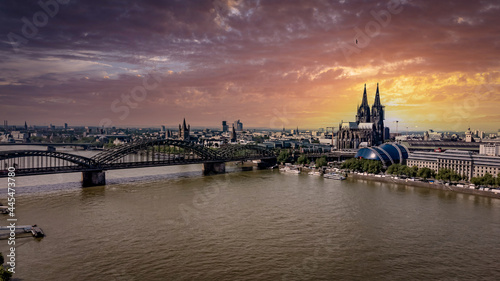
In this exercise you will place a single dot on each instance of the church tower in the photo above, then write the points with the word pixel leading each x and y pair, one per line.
pixel 184 131
pixel 363 115
pixel 233 135
pixel 378 118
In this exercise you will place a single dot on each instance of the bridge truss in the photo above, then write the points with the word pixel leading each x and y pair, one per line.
pixel 143 153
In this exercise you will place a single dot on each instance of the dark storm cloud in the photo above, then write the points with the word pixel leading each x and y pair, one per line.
pixel 227 52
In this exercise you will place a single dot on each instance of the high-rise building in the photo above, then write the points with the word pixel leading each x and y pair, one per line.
pixel 225 127
pixel 163 128
pixel 238 125
pixel 65 126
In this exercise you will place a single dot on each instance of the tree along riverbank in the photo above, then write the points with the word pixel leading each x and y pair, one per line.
pixel 433 185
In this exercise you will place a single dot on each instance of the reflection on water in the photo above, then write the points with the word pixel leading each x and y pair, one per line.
pixel 172 223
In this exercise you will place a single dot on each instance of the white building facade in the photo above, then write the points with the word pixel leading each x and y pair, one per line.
pixel 465 163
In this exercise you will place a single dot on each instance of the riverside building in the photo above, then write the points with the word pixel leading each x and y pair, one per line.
pixel 465 163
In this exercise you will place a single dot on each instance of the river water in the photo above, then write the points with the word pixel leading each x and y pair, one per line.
pixel 172 223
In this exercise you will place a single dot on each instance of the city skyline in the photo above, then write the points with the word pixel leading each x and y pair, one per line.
pixel 294 64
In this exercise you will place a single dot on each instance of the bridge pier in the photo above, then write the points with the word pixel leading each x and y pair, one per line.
pixel 93 178
pixel 214 168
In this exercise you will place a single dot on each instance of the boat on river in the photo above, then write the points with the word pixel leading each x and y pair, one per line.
pixel 334 176
pixel 21 231
pixel 290 170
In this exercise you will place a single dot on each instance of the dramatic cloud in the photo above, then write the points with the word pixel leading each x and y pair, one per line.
pixel 268 63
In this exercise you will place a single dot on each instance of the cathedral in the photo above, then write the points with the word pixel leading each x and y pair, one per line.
pixel 368 128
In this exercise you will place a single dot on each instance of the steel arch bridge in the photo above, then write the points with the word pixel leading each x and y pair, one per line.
pixel 36 162
pixel 143 153
pixel 154 146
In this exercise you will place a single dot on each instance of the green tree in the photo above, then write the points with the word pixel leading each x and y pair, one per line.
pixel 393 169
pixel 488 179
pixel 448 175
pixel 352 164
pixel 5 275
pixel 283 156
pixel 374 167
pixel 303 160
pixel 320 162
pixel 363 165
pixel 425 173
pixel 403 170
pixel 476 180
pixel 413 171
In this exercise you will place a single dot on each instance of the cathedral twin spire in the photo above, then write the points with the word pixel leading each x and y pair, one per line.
pixel 365 98
pixel 377 97
pixel 373 133
pixel 363 115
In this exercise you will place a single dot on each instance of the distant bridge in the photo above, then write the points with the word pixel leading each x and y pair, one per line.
pixel 140 154
pixel 84 145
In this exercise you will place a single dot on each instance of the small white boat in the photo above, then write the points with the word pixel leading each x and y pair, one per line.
pixel 334 176
pixel 290 170
pixel 314 173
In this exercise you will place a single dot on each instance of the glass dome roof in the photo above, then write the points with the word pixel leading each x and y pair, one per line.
pixel 388 153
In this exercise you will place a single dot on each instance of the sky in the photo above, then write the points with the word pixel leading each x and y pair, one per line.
pixel 270 64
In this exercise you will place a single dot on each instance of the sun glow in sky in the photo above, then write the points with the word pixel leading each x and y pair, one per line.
pixel 267 63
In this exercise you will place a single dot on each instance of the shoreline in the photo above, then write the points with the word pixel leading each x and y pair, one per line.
pixel 437 186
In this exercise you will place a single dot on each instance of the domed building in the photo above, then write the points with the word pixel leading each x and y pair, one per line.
pixel 388 153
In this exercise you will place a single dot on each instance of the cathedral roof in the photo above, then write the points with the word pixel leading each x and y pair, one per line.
pixel 349 125
pixel 365 126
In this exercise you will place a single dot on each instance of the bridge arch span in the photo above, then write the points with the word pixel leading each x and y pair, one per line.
pixel 112 155
pixel 82 161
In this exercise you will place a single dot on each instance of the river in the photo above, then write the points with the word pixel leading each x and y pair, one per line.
pixel 172 223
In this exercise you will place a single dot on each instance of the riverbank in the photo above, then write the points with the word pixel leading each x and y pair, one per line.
pixel 435 185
